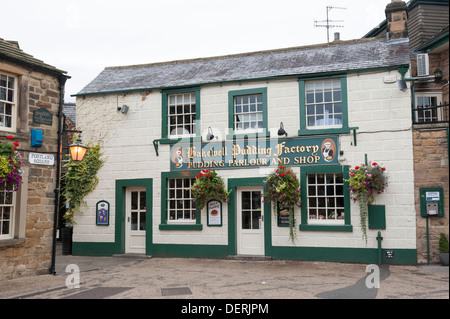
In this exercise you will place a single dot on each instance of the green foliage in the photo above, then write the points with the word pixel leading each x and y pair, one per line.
pixel 80 180
pixel 443 244
pixel 207 186
pixel 283 187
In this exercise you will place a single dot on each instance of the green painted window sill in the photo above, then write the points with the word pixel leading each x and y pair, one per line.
pixel 179 140
pixel 340 228
pixel 248 135
pixel 180 227
pixel 343 130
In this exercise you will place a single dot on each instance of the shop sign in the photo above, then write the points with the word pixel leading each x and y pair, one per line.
pixel 41 159
pixel 255 153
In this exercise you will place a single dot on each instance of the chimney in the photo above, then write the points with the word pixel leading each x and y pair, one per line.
pixel 396 17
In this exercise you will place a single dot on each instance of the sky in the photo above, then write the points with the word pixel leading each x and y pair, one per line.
pixel 83 37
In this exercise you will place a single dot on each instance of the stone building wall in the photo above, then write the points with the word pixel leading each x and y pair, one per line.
pixel 29 250
pixel 430 170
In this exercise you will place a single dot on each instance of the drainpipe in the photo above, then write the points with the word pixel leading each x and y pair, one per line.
pixel 379 238
pixel 62 80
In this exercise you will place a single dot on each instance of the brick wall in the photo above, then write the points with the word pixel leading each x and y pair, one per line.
pixel 30 251
pixel 431 170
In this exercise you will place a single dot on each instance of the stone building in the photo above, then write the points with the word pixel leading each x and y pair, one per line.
pixel 31 100
pixel 427 28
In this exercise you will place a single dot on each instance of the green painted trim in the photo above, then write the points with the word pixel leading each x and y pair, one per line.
pixel 345 129
pixel 121 186
pixel 93 249
pixel 190 251
pixel 179 140
pixel 340 228
pixel 164 225
pixel 233 183
pixel 304 170
pixel 231 96
pixel 441 40
pixel 336 254
pixel 331 254
pixel 164 112
pixel 377 216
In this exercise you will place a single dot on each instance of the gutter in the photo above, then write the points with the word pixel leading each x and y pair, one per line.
pixel 62 80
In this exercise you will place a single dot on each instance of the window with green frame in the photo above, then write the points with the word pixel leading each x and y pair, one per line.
pixel 177 209
pixel 325 198
pixel 323 105
pixel 180 114
pixel 247 112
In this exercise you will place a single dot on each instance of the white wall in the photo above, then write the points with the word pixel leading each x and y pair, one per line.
pixel 380 110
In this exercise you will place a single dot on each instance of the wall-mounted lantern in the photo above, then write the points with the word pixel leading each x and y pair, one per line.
pixel 77 150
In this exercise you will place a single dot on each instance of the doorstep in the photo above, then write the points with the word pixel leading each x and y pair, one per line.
pixel 137 256
pixel 249 257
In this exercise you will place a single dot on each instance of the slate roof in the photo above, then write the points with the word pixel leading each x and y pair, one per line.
pixel 334 57
pixel 10 50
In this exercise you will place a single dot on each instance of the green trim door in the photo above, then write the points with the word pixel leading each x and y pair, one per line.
pixel 250 221
pixel 121 218
pixel 233 185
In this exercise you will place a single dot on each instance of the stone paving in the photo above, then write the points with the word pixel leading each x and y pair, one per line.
pixel 192 278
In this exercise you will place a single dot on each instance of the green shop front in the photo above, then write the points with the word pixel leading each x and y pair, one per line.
pixel 244 224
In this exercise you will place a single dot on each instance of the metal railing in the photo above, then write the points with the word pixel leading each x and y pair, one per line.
pixel 431 114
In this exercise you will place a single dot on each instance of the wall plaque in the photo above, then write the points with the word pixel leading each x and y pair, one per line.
pixel 42 116
pixel 102 212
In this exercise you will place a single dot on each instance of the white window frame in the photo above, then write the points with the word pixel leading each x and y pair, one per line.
pixel 185 198
pixel 337 209
pixel 192 115
pixel 439 111
pixel 11 205
pixel 316 105
pixel 243 113
pixel 13 103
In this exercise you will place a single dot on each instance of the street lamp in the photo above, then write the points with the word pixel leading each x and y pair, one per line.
pixel 77 150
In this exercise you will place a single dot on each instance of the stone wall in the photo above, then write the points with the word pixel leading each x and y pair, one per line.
pixel 29 251
pixel 431 170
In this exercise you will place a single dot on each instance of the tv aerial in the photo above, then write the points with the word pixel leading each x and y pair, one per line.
pixel 328 22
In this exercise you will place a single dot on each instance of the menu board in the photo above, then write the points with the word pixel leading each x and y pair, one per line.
pixel 283 215
pixel 214 211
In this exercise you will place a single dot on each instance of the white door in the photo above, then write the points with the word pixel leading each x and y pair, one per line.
pixel 250 221
pixel 135 220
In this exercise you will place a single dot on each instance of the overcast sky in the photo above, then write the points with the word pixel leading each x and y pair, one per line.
pixel 83 37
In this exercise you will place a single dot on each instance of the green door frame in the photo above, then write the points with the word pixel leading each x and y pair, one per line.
pixel 233 183
pixel 121 185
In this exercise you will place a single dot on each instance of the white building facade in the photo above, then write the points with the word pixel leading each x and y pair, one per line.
pixel 344 93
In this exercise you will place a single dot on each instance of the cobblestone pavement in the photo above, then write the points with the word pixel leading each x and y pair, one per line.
pixel 192 278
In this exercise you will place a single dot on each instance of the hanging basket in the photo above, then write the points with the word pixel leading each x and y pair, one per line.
pixel 365 183
pixel 282 187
